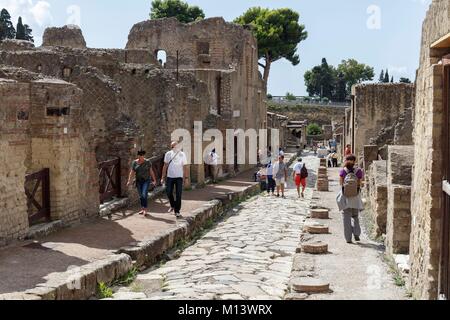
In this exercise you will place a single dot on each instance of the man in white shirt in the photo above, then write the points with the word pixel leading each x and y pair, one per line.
pixel 176 171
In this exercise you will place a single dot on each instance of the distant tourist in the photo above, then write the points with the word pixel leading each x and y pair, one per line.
pixel 335 159
pixel 349 199
pixel 280 171
pixel 271 184
pixel 348 150
pixel 142 171
pixel 176 171
pixel 281 152
pixel 212 160
pixel 300 176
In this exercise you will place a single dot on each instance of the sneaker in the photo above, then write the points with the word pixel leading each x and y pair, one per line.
pixel 357 239
pixel 349 242
pixel 303 195
pixel 178 215
pixel 141 213
pixel 170 210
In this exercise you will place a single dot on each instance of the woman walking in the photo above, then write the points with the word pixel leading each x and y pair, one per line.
pixel 349 199
pixel 142 170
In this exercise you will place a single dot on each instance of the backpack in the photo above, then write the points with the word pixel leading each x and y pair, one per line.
pixel 350 184
pixel 304 173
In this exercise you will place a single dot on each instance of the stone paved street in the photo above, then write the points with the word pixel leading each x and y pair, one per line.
pixel 249 255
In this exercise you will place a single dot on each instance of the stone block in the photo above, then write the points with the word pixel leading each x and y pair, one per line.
pixel 320 214
pixel 310 286
pixel 317 247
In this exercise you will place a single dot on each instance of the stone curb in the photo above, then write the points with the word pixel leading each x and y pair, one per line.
pixel 80 283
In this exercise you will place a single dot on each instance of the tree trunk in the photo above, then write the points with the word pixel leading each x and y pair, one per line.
pixel 267 71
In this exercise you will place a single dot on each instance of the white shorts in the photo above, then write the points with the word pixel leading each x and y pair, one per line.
pixel 280 182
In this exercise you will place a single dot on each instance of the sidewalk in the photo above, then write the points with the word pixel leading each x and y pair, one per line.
pixel 354 271
pixel 29 264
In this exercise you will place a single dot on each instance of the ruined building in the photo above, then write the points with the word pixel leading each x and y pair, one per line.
pixel 429 251
pixel 72 117
pixel 380 114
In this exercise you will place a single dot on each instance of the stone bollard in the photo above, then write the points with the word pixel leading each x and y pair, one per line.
pixel 322 179
pixel 310 286
pixel 317 247
pixel 320 214
pixel 316 228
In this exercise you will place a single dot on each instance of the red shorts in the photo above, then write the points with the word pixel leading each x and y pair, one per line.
pixel 299 181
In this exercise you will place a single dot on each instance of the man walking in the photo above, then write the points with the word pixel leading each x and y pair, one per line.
pixel 300 176
pixel 270 180
pixel 176 171
pixel 281 172
pixel 213 163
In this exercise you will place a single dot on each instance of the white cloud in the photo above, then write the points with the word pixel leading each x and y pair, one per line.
pixel 36 14
pixel 41 13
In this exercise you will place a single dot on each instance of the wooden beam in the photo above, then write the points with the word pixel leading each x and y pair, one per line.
pixel 443 42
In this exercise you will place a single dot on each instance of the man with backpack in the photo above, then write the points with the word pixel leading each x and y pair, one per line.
pixel 300 176
pixel 349 199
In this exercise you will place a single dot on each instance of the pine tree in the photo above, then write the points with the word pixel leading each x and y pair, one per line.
pixel 20 35
pixel 386 77
pixel 7 30
pixel 381 79
pixel 28 35
pixel 392 79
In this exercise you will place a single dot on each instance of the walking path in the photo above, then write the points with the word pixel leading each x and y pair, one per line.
pixel 27 264
pixel 247 256
pixel 355 271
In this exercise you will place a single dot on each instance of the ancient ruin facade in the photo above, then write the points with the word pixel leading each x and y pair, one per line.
pixel 82 113
pixel 429 275
pixel 380 115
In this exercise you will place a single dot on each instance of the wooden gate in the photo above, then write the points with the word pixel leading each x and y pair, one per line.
pixel 445 252
pixel 110 180
pixel 37 190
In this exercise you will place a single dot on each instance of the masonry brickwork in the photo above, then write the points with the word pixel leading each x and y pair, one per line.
pixel 379 115
pixel 111 102
pixel 399 177
pixel 428 159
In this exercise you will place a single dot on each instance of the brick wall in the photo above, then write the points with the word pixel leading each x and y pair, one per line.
pixel 427 174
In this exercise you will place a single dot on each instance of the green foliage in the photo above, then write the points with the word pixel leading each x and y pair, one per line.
pixel 7 30
pixel 333 83
pixel 20 35
pixel 176 8
pixel 326 100
pixel 103 291
pixel 386 77
pixel 314 129
pixel 290 97
pixel 404 80
pixel 28 33
pixel 355 72
pixel 278 33
pixel 128 278
pixel 381 78
pixel 321 80
pixel 269 96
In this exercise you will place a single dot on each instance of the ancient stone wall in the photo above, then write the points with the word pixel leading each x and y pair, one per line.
pixel 312 114
pixel 116 102
pixel 428 140
pixel 37 138
pixel 399 178
pixel 378 109
pixel 378 196
pixel 67 36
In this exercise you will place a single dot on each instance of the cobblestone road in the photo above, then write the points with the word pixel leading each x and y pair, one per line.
pixel 247 256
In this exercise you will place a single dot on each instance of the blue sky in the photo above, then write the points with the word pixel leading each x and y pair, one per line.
pixel 381 33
